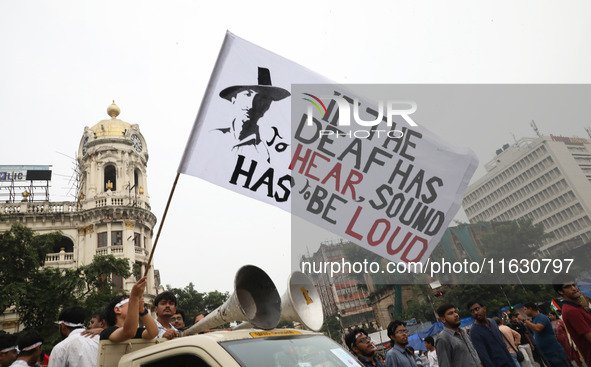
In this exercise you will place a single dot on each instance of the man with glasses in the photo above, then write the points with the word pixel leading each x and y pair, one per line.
pixel 454 347
pixel 398 356
pixel 488 340
pixel 178 320
pixel 576 319
pixel 360 344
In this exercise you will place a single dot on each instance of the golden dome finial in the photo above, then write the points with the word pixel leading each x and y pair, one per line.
pixel 113 110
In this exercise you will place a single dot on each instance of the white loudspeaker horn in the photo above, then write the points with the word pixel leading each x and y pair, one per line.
pixel 255 300
pixel 300 302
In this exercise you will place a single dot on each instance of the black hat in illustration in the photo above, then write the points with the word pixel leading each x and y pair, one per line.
pixel 264 88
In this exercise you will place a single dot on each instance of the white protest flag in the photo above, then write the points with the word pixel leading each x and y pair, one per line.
pixel 370 173
pixel 276 131
pixel 242 135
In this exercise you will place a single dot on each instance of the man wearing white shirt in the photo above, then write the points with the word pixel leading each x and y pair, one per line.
pixel 165 305
pixel 75 349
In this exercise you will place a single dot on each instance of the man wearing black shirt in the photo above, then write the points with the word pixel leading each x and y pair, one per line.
pixel 123 314
pixel 526 345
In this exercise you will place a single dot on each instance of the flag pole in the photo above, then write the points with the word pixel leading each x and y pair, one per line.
pixel 148 264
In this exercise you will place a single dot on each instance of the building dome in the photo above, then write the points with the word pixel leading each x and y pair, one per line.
pixel 113 126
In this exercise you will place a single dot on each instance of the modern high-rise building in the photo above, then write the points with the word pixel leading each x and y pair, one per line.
pixel 110 214
pixel 547 179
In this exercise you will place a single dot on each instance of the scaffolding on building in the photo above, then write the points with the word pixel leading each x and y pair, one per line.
pixel 24 183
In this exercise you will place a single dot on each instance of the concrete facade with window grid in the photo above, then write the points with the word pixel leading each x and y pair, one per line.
pixel 547 179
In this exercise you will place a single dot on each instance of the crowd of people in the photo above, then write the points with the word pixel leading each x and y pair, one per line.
pixel 117 322
pixel 512 340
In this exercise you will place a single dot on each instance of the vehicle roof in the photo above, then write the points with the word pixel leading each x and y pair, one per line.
pixel 225 335
pixel 111 353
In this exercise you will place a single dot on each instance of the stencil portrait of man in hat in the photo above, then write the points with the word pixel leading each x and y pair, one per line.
pixel 251 102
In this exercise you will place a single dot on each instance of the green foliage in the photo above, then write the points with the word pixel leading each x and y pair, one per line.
pixel 332 328
pixel 45 294
pixel 38 294
pixel 494 296
pixel 519 238
pixel 192 302
pixel 21 254
pixel 99 287
pixel 285 324
pixel 419 308
pixel 214 299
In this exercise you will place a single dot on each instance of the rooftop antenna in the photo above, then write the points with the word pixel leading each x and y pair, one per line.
pixel 514 139
pixel 588 130
pixel 535 127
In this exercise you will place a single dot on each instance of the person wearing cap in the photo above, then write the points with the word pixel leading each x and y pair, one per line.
pixel 75 349
pixel 360 344
pixel 29 348
pixel 8 349
pixel 251 103
pixel 123 314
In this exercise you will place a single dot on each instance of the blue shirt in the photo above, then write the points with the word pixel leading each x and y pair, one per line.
pixel 490 345
pixel 397 357
pixel 367 363
pixel 546 341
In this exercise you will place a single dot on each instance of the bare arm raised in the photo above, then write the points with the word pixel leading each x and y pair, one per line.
pixel 129 312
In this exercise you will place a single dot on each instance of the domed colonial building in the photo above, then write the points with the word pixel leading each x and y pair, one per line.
pixel 112 214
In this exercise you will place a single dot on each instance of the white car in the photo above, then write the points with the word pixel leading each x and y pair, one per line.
pixel 247 348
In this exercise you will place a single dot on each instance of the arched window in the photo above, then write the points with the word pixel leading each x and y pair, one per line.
pixel 110 178
pixel 65 243
pixel 136 180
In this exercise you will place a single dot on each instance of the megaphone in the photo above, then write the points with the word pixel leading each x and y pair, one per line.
pixel 300 302
pixel 255 300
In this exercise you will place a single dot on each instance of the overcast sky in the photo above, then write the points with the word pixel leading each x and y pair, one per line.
pixel 63 62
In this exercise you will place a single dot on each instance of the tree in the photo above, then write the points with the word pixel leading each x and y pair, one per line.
pixel 99 287
pixel 21 254
pixel 332 328
pixel 420 308
pixel 192 302
pixel 213 300
pixel 519 238
pixel 37 293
